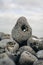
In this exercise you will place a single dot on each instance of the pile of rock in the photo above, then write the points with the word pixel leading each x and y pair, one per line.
pixel 23 48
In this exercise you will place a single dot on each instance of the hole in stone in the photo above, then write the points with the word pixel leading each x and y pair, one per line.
pixel 24 28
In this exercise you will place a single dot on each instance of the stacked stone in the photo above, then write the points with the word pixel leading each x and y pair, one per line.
pixel 23 48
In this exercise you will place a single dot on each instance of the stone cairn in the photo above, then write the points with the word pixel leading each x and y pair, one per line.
pixel 21 47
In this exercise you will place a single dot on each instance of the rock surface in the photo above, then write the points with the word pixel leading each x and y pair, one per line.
pixel 26 48
pixel 27 58
pixel 35 44
pixel 39 54
pixel 5 60
pixel 39 62
pixel 21 31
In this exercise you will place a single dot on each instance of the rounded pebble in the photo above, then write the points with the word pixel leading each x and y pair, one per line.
pixel 27 58
pixel 39 54
pixel 26 48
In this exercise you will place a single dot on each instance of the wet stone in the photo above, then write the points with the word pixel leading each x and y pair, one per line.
pixel 21 31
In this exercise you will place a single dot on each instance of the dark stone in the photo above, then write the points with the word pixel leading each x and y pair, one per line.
pixel 21 31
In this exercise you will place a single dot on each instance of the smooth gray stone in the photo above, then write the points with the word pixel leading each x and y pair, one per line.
pixel 26 48
pixel 39 54
pixel 9 45
pixel 27 58
pixel 5 60
pixel 3 46
pixel 35 44
pixel 39 62
pixel 4 51
pixel 6 36
pixel 21 31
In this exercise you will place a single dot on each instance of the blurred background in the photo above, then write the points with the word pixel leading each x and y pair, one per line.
pixel 11 10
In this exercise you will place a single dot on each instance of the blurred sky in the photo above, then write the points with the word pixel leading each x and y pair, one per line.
pixel 11 10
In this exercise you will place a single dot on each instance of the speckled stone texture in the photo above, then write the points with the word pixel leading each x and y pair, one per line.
pixel 21 31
